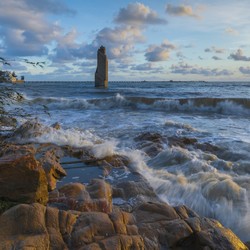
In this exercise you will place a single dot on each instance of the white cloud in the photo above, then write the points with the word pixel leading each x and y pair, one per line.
pixel 138 14
pixel 156 53
pixel 119 43
pixel 181 10
pixel 24 27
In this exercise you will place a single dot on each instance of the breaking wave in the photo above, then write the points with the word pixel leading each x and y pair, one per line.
pixel 227 106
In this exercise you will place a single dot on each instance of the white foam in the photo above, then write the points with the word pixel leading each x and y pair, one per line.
pixel 107 148
pixel 200 186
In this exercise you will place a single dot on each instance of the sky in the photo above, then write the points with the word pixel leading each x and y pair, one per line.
pixel 145 40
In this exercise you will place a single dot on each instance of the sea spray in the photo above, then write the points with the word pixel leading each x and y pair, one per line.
pixel 104 149
pixel 199 186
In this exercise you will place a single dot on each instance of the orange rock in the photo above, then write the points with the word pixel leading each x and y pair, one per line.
pixel 23 179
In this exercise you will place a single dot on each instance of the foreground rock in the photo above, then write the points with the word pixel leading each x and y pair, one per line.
pixel 149 226
pixel 95 197
pixel 22 179
pixel 49 156
pixel 96 215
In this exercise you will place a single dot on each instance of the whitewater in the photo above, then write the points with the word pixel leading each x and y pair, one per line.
pixel 210 174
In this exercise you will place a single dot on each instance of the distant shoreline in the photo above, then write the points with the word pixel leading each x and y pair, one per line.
pixel 153 81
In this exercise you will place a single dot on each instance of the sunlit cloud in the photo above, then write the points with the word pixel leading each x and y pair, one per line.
pixel 181 10
pixel 119 43
pixel 138 14
pixel 161 52
pixel 25 30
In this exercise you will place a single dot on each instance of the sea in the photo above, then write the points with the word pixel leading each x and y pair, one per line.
pixel 212 178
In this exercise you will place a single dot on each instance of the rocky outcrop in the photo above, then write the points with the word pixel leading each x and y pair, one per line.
pixel 96 197
pixel 101 74
pixel 121 214
pixel 22 179
pixel 49 157
pixel 149 226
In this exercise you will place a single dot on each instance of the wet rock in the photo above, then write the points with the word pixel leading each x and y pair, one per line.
pixel 12 150
pixel 22 179
pixel 49 157
pixel 56 126
pixel 160 225
pixel 152 212
pixel 113 161
pixel 97 196
pixel 150 143
pixel 28 130
pixel 207 147
pixel 148 136
pixel 132 189
pixel 185 212
pixel 211 234
pixel 8 121
pixel 181 141
pixel 163 228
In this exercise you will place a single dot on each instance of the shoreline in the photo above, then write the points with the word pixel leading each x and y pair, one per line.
pixel 101 213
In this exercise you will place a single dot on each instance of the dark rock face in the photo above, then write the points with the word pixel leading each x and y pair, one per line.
pixel 101 74
pixel 23 179
pixel 150 143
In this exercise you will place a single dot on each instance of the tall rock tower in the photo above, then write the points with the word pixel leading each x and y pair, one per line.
pixel 101 74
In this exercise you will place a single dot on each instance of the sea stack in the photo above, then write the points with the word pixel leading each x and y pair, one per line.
pixel 101 74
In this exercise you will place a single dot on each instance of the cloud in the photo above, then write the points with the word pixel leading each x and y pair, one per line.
pixel 238 56
pixel 147 67
pixel 25 30
pixel 216 58
pixel 245 70
pixel 215 50
pixel 138 14
pixel 186 69
pixel 180 55
pixel 182 10
pixel 119 42
pixel 156 53
pixel 52 6
pixel 231 31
